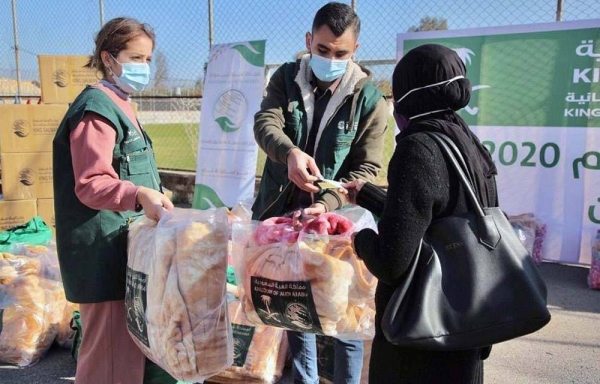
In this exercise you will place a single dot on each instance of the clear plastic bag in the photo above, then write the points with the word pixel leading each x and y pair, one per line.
pixel 303 275
pixel 524 224
pixel 49 269
pixel 66 334
pixel 259 351
pixel 30 308
pixel 175 295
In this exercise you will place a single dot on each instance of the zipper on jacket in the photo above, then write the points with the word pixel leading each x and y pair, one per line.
pixel 274 201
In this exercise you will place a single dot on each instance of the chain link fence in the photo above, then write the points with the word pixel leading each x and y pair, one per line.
pixel 170 108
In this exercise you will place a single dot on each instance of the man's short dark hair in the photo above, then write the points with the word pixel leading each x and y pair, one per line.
pixel 338 17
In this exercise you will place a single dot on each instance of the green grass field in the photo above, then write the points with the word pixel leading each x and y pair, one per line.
pixel 175 146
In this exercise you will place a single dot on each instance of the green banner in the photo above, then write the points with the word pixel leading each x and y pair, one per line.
pixel 534 79
pixel 535 104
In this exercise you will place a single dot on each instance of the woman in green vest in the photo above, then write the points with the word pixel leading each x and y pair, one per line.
pixel 105 176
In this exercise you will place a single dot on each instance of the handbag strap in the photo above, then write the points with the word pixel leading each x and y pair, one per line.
pixel 453 154
pixel 489 235
pixel 461 160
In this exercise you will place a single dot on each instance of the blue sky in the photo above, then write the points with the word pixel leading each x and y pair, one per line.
pixel 68 26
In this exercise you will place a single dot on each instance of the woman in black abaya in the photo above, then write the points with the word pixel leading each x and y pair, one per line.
pixel 429 86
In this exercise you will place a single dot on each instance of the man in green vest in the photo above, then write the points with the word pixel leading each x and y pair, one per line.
pixel 322 117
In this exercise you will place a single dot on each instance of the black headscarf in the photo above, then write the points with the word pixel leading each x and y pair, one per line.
pixel 430 64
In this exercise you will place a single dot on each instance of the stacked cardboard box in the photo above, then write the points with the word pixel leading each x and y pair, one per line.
pixel 26 134
pixel 62 78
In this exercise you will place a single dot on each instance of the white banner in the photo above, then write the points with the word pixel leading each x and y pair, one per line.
pixel 227 151
pixel 536 106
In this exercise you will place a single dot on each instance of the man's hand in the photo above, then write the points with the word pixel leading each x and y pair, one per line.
pixel 153 202
pixel 302 170
pixel 314 210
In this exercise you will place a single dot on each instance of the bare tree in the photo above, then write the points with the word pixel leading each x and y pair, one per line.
pixel 161 71
pixel 429 23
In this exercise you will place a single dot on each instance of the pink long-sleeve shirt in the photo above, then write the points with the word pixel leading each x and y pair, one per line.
pixel 97 185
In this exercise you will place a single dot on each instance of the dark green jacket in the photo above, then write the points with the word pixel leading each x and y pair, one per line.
pixel 92 244
pixel 349 139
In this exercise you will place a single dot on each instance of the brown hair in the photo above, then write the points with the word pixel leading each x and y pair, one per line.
pixel 114 36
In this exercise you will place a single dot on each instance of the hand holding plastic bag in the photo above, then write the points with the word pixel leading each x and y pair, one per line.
pixel 306 278
pixel 175 295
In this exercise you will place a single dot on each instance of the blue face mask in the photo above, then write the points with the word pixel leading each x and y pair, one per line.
pixel 134 76
pixel 327 70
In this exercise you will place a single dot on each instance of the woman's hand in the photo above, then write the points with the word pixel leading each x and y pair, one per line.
pixel 153 202
pixel 351 190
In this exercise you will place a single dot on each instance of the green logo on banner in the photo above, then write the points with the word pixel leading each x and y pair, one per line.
pixel 231 109
pixel 205 198
pixel 592 214
pixel 252 51
pixel 226 124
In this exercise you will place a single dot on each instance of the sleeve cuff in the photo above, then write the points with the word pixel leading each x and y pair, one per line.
pixel 372 198
pixel 130 203
pixel 365 236
pixel 284 152
pixel 330 200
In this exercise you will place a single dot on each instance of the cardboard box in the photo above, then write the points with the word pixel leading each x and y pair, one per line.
pixel 27 176
pixel 63 77
pixel 29 128
pixel 45 210
pixel 13 213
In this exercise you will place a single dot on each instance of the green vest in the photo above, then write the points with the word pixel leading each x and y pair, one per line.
pixel 333 147
pixel 92 244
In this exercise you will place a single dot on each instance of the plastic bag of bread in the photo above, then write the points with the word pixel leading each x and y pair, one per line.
pixel 66 334
pixel 175 294
pixel 30 308
pixel 259 351
pixel 302 274
pixel 46 255
pixel 62 310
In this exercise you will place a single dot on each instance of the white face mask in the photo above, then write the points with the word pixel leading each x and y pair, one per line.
pixel 445 82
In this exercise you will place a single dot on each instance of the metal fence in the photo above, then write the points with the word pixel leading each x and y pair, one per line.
pixel 185 30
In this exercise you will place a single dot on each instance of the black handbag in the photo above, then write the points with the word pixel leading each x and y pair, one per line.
pixel 471 283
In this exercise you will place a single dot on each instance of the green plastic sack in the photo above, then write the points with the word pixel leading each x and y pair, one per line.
pixel 76 326
pixel 231 275
pixel 34 232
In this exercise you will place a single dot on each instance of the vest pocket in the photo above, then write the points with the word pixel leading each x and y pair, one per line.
pixel 137 168
pixel 138 163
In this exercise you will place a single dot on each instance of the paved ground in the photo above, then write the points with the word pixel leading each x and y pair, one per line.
pixel 566 351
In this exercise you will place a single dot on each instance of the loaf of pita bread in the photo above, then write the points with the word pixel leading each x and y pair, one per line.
pixel 176 303
pixel 31 308
pixel 260 361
